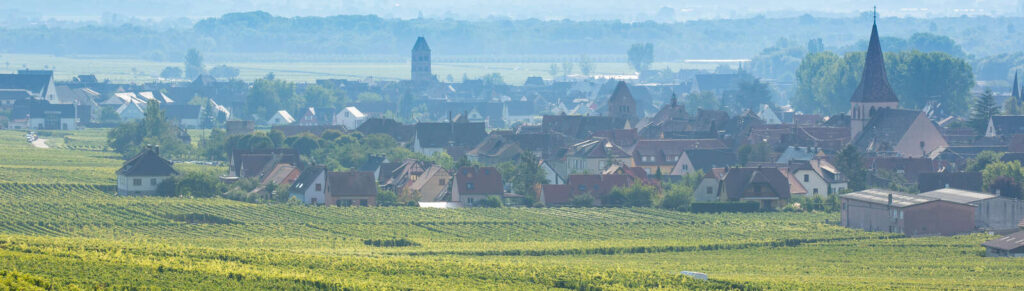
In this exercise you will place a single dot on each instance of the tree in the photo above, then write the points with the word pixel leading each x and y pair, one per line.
pixel 1002 171
pixel 586 65
pixel 1013 107
pixel 640 56
pixel 191 184
pixel 212 148
pixel 636 195
pixel 128 138
pixel 527 175
pixel 224 72
pixel 849 163
pixel 759 152
pixel 815 46
pixel 171 73
pixel 701 100
pixel 369 97
pixel 677 197
pixel 109 115
pixel 1006 187
pixel 984 108
pixel 825 81
pixel 982 160
pixel 752 93
pixel 387 198
pixel 193 64
pixel 268 95
pixel 566 68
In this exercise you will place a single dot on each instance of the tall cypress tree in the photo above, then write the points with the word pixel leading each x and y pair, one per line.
pixel 983 109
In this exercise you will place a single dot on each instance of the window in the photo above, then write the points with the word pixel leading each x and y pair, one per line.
pixel 807 178
pixel 583 187
pixel 815 190
pixel 152 181
pixel 922 144
pixel 440 182
pixel 469 186
pixel 137 182
pixel 710 190
pixel 318 186
pixel 364 202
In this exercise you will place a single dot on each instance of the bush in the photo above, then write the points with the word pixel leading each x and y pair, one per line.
pixel 677 197
pixel 582 200
pixel 715 207
pixel 492 202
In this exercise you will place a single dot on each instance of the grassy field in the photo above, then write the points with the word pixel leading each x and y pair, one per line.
pixel 61 227
pixel 138 71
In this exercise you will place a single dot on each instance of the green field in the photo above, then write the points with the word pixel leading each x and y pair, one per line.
pixel 62 228
pixel 130 70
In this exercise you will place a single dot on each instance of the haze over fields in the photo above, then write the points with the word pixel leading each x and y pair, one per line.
pixel 658 10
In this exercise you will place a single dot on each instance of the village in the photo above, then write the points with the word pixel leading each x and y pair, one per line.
pixel 585 142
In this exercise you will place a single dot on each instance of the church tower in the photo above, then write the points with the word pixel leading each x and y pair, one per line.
pixel 421 62
pixel 874 91
pixel 621 104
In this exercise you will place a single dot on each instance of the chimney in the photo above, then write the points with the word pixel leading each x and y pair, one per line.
pixel 890 199
pixel 156 149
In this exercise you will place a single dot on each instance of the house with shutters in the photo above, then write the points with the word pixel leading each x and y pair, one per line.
pixel 143 173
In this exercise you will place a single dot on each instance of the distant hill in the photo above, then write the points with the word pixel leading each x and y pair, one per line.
pixel 265 37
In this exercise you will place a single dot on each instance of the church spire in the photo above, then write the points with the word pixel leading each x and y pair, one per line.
pixel 874 83
pixel 1016 88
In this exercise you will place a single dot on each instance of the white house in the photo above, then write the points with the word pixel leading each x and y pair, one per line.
pixel 131 110
pixel 310 186
pixel 142 174
pixel 281 118
pixel 350 117
pixel 707 189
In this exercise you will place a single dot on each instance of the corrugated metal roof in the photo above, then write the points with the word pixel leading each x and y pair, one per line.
pixel 881 196
pixel 957 195
pixel 1006 243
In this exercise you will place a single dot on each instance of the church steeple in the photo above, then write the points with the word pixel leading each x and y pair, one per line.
pixel 874 83
pixel 1016 88
pixel 873 92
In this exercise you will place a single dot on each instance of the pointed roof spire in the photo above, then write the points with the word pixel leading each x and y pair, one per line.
pixel 421 44
pixel 621 93
pixel 874 83
pixel 675 102
pixel 1016 88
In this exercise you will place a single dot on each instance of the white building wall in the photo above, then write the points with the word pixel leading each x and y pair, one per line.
pixel 138 185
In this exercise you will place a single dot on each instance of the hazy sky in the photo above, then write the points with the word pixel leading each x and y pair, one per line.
pixel 627 10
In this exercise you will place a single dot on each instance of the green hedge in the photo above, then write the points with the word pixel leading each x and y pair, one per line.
pixel 714 207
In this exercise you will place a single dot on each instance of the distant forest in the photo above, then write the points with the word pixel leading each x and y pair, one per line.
pixel 259 36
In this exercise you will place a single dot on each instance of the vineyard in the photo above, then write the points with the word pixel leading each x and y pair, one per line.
pixel 62 227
